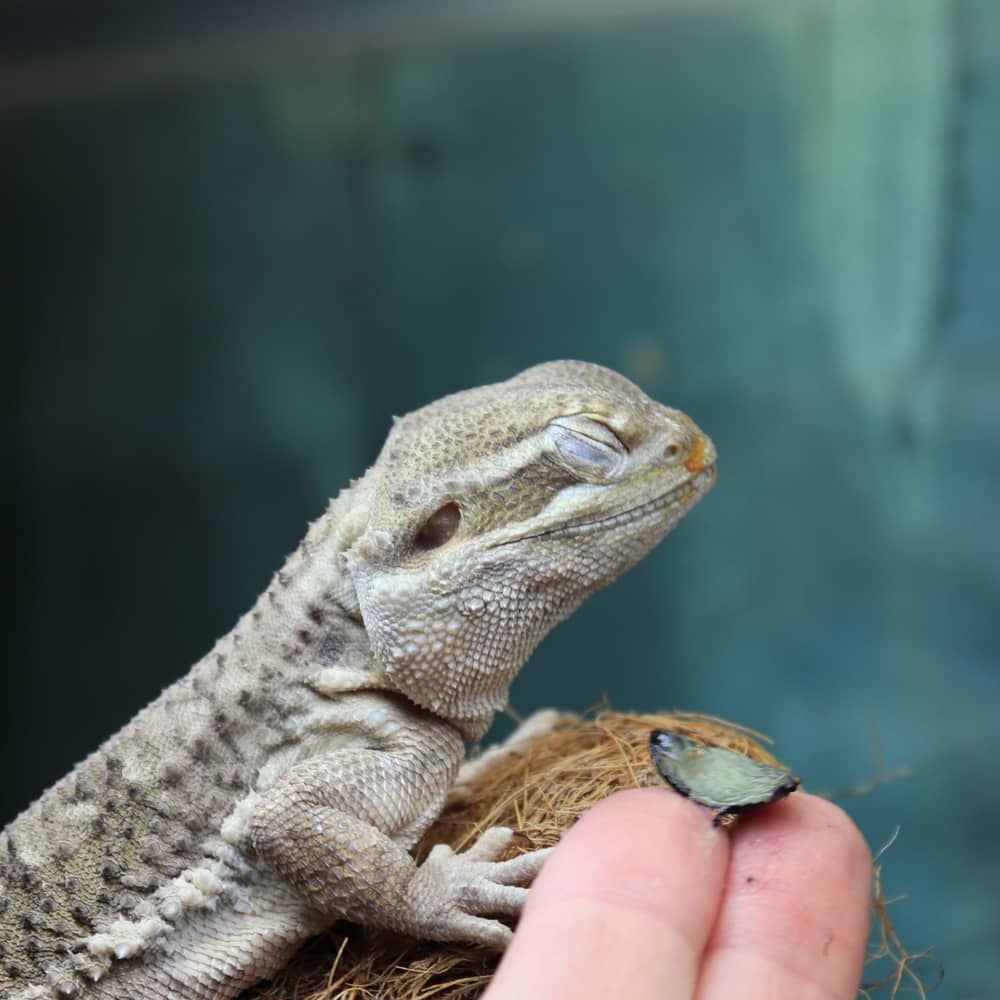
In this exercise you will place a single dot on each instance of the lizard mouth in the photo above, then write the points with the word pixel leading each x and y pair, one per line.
pixel 680 498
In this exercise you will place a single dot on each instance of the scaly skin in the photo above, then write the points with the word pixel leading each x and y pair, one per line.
pixel 280 785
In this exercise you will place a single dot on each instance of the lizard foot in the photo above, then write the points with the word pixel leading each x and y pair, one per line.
pixel 456 897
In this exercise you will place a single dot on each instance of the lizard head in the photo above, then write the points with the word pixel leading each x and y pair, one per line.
pixel 496 511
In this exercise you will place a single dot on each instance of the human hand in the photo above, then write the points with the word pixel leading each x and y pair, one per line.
pixel 645 898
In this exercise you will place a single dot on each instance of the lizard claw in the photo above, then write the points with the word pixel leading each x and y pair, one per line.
pixel 454 892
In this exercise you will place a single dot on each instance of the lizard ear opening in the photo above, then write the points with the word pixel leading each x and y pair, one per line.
pixel 439 528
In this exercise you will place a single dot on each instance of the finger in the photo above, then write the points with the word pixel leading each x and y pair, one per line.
pixel 794 917
pixel 623 907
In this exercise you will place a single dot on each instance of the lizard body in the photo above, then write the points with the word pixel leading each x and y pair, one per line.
pixel 279 786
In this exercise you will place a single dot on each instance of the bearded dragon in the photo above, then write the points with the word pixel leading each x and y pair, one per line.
pixel 279 786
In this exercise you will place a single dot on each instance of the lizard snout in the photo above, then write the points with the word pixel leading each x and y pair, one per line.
pixel 701 455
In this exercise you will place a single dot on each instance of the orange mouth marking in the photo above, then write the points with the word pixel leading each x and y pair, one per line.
pixel 696 460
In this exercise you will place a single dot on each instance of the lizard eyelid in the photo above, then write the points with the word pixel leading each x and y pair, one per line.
pixel 587 445
pixel 439 528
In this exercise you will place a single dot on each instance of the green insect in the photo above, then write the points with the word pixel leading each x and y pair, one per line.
pixel 721 779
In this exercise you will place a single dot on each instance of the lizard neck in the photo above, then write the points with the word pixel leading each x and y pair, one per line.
pixel 309 610
pixel 314 581
pixel 309 617
pixel 308 624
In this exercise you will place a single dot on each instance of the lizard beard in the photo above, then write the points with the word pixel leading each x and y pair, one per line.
pixel 455 652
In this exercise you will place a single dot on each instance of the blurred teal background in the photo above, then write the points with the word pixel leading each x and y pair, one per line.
pixel 235 247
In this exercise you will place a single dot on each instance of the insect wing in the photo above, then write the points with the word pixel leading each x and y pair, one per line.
pixel 716 777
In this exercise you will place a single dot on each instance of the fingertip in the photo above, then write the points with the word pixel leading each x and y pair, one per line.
pixel 795 913
pixel 624 905
pixel 631 848
pixel 809 837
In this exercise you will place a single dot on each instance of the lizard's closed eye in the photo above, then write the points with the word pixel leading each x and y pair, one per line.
pixel 439 527
pixel 586 446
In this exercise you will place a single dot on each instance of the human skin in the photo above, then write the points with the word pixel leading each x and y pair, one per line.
pixel 645 898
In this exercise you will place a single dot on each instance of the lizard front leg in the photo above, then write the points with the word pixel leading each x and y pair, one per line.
pixel 338 827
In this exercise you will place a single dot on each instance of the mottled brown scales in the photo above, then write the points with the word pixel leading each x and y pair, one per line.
pixel 147 833
pixel 282 784
pixel 171 774
pixel 200 750
pixel 330 648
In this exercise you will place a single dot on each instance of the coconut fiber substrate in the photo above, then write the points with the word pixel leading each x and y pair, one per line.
pixel 539 789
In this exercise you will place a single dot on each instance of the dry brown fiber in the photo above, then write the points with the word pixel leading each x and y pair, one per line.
pixel 539 790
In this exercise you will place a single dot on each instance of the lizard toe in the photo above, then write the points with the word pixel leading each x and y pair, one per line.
pixel 490 845
pixel 492 934
pixel 520 870
pixel 490 897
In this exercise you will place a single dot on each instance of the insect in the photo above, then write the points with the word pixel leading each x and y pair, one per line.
pixel 721 779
